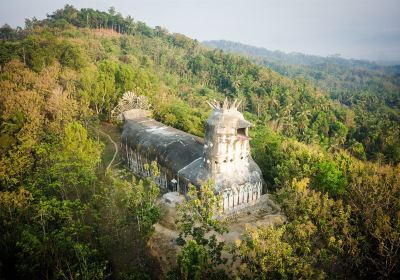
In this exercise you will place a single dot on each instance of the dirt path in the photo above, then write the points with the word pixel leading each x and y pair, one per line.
pixel 116 149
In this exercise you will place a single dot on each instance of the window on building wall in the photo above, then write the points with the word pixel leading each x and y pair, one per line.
pixel 241 131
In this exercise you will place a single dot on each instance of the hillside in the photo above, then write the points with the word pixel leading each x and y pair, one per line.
pixel 332 166
pixel 363 86
pixel 343 78
pixel 315 67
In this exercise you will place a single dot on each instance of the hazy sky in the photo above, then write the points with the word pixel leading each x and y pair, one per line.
pixel 368 29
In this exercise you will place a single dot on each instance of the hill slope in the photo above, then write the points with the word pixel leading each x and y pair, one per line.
pixel 175 68
pixel 62 216
pixel 347 73
pixel 371 90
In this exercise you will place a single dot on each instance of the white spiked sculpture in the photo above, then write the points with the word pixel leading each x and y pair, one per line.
pixel 128 102
pixel 225 106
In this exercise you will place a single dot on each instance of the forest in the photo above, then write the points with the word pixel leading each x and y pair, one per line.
pixel 368 88
pixel 328 144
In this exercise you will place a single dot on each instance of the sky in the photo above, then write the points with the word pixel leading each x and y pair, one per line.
pixel 361 29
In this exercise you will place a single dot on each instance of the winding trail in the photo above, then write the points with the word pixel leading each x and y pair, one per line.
pixel 116 149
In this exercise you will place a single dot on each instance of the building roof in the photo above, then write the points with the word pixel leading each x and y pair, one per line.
pixel 172 148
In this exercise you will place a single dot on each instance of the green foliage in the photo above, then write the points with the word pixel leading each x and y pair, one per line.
pixel 266 255
pixel 125 212
pixel 373 195
pixel 181 116
pixel 338 133
pixel 370 90
pixel 309 246
pixel 42 238
pixel 50 245
pixel 61 217
pixel 329 178
pixel 360 247
pixel 357 150
pixel 282 160
pixel 104 95
pixel 70 167
pixel 192 261
pixel 294 108
pixel 199 228
pixel 51 188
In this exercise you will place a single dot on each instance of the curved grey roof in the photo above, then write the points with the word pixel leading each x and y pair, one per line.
pixel 171 148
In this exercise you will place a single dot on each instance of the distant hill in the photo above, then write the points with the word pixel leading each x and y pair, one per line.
pixel 294 58
pixel 333 73
pixel 370 89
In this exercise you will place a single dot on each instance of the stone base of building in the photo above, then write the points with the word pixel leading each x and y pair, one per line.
pixel 260 204
pixel 241 196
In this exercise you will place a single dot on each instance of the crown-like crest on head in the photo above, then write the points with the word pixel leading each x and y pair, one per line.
pixel 224 106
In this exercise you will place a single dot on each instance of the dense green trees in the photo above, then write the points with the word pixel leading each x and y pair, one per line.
pixel 369 89
pixel 61 217
pixel 294 108
pixel 309 246
pixel 373 195
pixel 55 202
pixel 359 187
pixel 69 168
pixel 199 234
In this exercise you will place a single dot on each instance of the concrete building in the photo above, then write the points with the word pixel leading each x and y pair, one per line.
pixel 222 157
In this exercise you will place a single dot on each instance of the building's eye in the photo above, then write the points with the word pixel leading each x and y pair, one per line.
pixel 241 131
pixel 231 160
pixel 241 158
pixel 225 160
pixel 216 162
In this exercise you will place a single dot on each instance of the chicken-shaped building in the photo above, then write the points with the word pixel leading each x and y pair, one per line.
pixel 223 157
